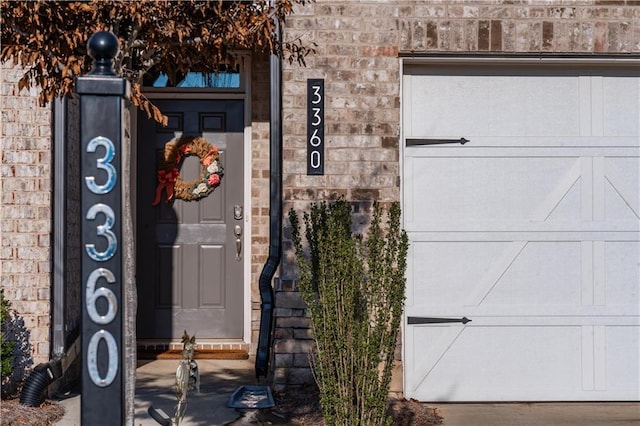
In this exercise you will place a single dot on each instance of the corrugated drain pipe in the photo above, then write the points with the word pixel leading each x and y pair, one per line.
pixel 275 217
pixel 40 378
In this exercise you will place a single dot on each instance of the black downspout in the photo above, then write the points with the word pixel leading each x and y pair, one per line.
pixel 59 226
pixel 275 216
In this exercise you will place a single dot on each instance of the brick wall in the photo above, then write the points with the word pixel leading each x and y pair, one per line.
pixel 580 26
pixel 25 260
pixel 259 182
pixel 357 53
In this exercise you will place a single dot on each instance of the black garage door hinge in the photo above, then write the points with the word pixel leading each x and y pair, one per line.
pixel 418 142
pixel 428 320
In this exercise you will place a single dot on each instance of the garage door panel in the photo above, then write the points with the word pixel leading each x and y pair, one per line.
pixel 589 362
pixel 619 121
pixel 622 274
pixel 531 230
pixel 622 177
pixel 495 273
pixel 503 111
pixel 587 105
pixel 545 359
pixel 445 273
pixel 544 273
pixel 484 189
pixel 434 342
pixel 622 375
pixel 506 190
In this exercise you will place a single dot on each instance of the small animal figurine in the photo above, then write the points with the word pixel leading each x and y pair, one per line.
pixel 188 345
pixel 187 376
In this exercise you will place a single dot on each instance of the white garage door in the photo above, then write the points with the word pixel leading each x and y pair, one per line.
pixel 530 230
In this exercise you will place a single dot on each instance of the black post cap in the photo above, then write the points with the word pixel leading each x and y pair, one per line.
pixel 103 48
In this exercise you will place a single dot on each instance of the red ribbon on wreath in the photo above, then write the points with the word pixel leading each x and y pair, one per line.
pixel 168 172
pixel 166 179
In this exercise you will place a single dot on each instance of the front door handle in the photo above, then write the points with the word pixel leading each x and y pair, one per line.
pixel 237 231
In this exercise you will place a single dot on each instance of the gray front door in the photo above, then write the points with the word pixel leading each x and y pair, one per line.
pixel 189 274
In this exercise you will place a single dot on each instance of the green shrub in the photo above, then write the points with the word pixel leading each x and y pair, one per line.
pixel 6 346
pixel 355 289
pixel 15 349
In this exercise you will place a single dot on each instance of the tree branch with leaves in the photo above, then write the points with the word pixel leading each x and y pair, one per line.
pixel 49 38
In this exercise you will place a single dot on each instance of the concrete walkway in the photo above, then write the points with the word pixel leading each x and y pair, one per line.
pixel 541 414
pixel 220 379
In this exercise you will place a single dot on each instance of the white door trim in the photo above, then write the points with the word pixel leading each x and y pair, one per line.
pixel 244 93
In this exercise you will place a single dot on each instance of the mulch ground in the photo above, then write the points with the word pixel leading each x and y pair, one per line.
pixel 302 407
pixel 12 413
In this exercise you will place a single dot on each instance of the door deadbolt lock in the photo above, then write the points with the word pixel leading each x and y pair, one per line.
pixel 237 212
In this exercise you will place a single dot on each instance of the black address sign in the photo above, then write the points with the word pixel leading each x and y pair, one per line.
pixel 315 127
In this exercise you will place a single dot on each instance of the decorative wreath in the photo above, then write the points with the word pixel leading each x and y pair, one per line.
pixel 169 172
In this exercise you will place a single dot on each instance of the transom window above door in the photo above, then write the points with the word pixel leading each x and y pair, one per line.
pixel 227 78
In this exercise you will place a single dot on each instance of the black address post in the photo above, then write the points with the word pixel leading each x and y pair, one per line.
pixel 102 95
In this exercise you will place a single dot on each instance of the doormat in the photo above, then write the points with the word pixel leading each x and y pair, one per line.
pixel 234 354
pixel 251 397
